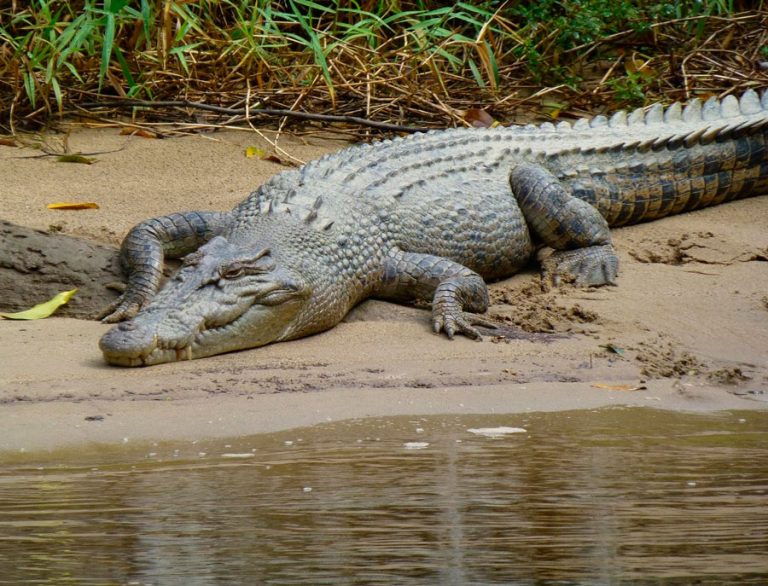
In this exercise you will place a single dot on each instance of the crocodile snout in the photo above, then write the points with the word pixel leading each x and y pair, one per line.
pixel 128 344
pixel 221 301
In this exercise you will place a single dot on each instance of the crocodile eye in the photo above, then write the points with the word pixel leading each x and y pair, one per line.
pixel 192 259
pixel 232 272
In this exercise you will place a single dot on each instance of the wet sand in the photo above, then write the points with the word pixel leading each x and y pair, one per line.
pixel 689 319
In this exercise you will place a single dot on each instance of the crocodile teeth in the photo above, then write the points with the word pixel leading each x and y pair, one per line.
pixel 184 353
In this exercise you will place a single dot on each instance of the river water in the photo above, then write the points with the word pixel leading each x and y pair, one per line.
pixel 614 496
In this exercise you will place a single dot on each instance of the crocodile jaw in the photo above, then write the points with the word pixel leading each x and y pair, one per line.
pixel 148 340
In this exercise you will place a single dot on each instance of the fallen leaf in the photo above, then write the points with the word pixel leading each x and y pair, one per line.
pixel 8 142
pixel 478 118
pixel 613 349
pixel 253 151
pixel 78 205
pixel 635 65
pixel 263 155
pixel 139 132
pixel 43 309
pixel 619 387
pixel 75 159
pixel 553 108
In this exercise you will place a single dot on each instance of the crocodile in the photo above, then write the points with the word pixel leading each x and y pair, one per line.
pixel 431 216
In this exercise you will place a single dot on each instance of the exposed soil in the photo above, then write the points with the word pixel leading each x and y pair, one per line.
pixel 687 325
pixel 39 264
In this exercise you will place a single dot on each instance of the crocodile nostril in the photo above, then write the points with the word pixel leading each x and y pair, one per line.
pixel 126 326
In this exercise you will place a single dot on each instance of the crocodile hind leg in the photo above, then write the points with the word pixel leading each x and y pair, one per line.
pixel 145 248
pixel 456 292
pixel 576 230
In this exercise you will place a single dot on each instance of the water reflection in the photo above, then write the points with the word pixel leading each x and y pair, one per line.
pixel 603 497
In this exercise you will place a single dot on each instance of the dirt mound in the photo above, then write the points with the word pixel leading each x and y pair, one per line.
pixel 36 265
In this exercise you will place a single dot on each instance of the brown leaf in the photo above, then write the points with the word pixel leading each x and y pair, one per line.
pixel 8 142
pixel 478 118
pixel 640 67
pixel 139 132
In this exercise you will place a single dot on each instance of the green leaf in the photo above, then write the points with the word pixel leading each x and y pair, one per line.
pixel 494 64
pixel 73 71
pixel 314 5
pixel 179 53
pixel 146 18
pixel 75 159
pixel 125 68
pixel 106 50
pixel 57 92
pixel 476 74
pixel 29 86
pixel 613 349
pixel 114 6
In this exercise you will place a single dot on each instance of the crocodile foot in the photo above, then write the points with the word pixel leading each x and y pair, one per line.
pixel 123 308
pixel 453 321
pixel 584 267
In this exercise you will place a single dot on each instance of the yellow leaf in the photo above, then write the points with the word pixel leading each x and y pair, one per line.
pixel 253 151
pixel 553 108
pixel 619 387
pixel 43 309
pixel 75 205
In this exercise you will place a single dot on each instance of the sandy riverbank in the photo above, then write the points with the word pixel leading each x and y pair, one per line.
pixel 690 314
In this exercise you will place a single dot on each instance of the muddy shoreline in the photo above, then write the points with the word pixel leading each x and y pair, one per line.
pixel 686 328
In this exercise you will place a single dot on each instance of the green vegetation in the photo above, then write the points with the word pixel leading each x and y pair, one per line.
pixel 403 61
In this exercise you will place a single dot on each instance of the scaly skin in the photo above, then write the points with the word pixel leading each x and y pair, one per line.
pixel 431 217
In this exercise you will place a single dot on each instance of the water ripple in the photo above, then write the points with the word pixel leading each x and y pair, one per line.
pixel 617 496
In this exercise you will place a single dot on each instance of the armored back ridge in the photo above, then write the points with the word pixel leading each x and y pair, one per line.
pixel 431 216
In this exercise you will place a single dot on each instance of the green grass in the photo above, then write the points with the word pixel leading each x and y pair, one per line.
pixel 371 57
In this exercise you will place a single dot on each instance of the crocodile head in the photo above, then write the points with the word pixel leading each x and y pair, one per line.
pixel 224 297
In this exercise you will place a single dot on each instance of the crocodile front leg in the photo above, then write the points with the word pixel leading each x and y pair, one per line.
pixel 576 230
pixel 454 290
pixel 145 248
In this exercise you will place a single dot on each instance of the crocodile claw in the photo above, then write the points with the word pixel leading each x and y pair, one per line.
pixel 120 310
pixel 584 267
pixel 459 322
